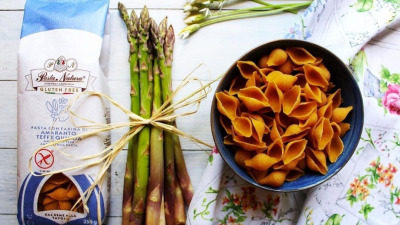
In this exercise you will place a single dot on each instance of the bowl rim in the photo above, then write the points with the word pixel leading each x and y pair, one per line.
pixel 301 43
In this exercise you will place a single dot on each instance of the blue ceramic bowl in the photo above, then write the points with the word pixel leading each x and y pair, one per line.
pixel 340 76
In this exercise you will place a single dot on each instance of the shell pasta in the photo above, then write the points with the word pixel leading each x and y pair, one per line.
pixel 283 117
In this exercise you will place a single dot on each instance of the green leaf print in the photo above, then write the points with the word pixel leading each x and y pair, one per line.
pixel 363 5
pixel 383 85
pixel 394 78
pixel 335 219
pixel 359 63
pixel 206 205
pixel 385 73
pixel 365 210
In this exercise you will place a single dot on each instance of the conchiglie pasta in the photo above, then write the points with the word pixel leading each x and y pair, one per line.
pixel 259 128
pixel 304 110
pixel 294 132
pixel 300 56
pixel 335 98
pixel 283 81
pixel 287 67
pixel 237 84
pixel 252 81
pixel 242 126
pixel 344 127
pixel 274 96
pixel 291 99
pixel 316 161
pixel 241 156
pixel 315 76
pixel 283 116
pixel 249 144
pixel 253 98
pixel 294 174
pixel 261 161
pixel 322 133
pixel 226 123
pixel 277 57
pixel 247 68
pixel 291 165
pixel 276 149
pixel 275 178
pixel 294 150
pixel 262 62
pixel 227 105
pixel 334 148
pixel 340 113
pixel 313 92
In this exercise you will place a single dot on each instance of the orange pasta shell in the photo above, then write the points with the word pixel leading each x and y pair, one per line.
pixel 291 99
pixel 283 81
pixel 294 150
pixel 277 57
pixel 314 76
pixel 300 56
pixel 275 178
pixel 253 98
pixel 227 105
pixel 241 156
pixel 261 161
pixel 242 126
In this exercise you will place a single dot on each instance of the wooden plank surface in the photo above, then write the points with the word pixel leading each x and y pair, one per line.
pixel 215 48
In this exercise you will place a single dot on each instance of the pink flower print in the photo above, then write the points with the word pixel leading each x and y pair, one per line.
pixel 391 99
pixel 214 151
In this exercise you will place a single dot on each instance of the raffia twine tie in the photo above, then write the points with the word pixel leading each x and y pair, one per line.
pixel 163 119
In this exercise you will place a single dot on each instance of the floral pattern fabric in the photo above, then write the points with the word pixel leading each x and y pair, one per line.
pixel 365 35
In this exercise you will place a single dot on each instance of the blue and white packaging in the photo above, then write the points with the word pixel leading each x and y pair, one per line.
pixel 63 52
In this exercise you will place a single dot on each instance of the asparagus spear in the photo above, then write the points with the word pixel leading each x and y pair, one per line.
pixel 170 177
pixel 182 174
pixel 179 214
pixel 135 105
pixel 156 181
pixel 146 89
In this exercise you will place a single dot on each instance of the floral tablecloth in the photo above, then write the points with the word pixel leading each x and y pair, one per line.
pixel 365 34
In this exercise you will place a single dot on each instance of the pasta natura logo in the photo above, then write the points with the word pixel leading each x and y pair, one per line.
pixel 60 76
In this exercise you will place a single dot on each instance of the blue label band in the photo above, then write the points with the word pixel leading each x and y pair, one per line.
pixel 43 15
pixel 26 202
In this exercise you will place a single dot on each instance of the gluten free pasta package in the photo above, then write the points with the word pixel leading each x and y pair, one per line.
pixel 63 52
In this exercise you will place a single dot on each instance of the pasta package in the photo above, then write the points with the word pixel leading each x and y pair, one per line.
pixel 282 116
pixel 62 53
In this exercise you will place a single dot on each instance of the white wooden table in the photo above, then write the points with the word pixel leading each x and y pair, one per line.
pixel 216 46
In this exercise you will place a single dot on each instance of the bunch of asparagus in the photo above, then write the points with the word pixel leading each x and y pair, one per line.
pixel 199 12
pixel 156 183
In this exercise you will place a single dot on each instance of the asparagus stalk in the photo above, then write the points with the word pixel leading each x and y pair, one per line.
pixel 146 89
pixel 181 170
pixel 170 176
pixel 162 213
pixel 179 214
pixel 156 181
pixel 135 106
pixel 182 174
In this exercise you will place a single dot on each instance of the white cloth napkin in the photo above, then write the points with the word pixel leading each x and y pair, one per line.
pixel 365 34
